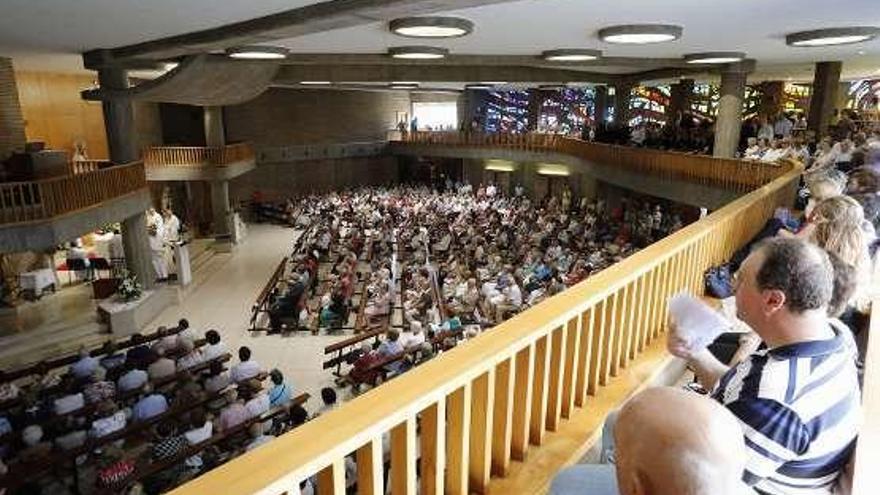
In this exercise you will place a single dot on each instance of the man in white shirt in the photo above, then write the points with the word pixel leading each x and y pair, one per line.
pixel 246 369
pixel 782 127
pixel 214 347
pixel 157 252
pixel 172 226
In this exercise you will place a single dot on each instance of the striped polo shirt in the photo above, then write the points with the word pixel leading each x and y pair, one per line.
pixel 799 406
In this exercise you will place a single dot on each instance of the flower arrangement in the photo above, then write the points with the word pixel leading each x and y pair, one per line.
pixel 129 289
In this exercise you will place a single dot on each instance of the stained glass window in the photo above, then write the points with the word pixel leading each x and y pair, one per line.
pixel 863 95
pixel 507 111
pixel 567 110
pixel 648 104
pixel 704 101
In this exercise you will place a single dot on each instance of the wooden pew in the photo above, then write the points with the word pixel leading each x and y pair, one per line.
pixel 50 391
pixel 148 468
pixel 27 472
pixel 345 349
pixel 42 367
pixel 263 299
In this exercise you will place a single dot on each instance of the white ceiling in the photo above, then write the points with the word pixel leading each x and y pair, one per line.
pixel 51 34
pixel 48 34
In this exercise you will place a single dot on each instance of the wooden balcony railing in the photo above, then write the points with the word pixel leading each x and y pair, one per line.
pixel 84 166
pixel 39 200
pixel 737 175
pixel 463 416
pixel 197 156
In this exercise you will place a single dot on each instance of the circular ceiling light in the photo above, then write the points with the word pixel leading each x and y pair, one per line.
pixel 418 52
pixel 257 52
pixel 404 85
pixel 640 34
pixel 714 57
pixel 571 55
pixel 833 36
pixel 431 27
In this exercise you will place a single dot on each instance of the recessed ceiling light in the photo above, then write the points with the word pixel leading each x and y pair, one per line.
pixel 418 52
pixel 571 55
pixel 315 83
pixel 833 36
pixel 257 52
pixel 431 27
pixel 478 86
pixel 714 57
pixel 640 34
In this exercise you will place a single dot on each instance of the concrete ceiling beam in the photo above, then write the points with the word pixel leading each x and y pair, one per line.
pixel 318 17
pixel 508 60
pixel 294 74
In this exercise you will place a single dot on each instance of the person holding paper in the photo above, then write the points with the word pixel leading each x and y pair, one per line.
pixel 798 400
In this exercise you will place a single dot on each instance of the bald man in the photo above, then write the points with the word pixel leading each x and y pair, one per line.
pixel 697 450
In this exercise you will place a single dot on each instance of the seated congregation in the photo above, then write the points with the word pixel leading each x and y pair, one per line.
pixel 146 414
pixel 430 269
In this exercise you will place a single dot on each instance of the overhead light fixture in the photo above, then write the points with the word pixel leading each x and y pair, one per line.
pixel 640 34
pixel 257 52
pixel 170 66
pixel 500 165
pixel 484 85
pixel 431 27
pixel 571 55
pixel 552 169
pixel 404 85
pixel 833 36
pixel 418 52
pixel 714 57
pixel 315 83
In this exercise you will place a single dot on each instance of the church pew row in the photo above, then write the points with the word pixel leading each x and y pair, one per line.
pixel 44 366
pixel 22 473
pixel 149 468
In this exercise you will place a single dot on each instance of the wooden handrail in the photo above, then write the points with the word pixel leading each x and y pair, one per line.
pixel 85 166
pixel 736 175
pixel 22 202
pixel 197 156
pixel 494 397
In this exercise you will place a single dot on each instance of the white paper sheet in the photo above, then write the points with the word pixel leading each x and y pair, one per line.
pixel 696 324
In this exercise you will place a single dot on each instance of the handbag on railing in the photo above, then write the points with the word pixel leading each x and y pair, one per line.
pixel 718 281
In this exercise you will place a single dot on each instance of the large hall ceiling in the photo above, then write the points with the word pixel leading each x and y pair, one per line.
pixel 50 34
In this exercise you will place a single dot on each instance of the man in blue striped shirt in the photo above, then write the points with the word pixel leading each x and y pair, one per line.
pixel 798 400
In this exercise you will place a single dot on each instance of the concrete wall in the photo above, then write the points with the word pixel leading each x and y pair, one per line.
pixel 280 180
pixel 12 136
pixel 282 117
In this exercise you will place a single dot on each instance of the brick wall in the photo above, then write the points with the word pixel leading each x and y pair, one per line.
pixel 12 137
pixel 286 116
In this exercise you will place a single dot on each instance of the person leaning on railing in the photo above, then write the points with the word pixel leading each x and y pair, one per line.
pixel 798 399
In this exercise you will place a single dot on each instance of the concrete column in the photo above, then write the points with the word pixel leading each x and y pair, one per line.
pixel 622 98
pixel 680 98
pixel 220 207
pixel 826 83
pixel 118 118
pixel 600 111
pixel 12 136
pixel 138 259
pixel 729 119
pixel 215 135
